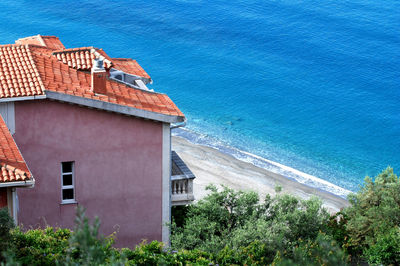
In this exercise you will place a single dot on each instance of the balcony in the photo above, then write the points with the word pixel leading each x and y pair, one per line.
pixel 181 182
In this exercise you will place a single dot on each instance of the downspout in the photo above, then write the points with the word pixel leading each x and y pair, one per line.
pixel 14 205
pixel 181 124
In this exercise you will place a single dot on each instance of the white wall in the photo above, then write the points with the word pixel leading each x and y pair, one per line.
pixel 8 114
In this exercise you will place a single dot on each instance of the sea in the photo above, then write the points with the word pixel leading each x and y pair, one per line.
pixel 309 89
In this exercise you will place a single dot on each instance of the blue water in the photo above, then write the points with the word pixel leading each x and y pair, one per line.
pixel 314 85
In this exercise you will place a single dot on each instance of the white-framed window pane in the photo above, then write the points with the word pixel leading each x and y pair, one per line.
pixel 67 167
pixel 67 180
pixel 68 194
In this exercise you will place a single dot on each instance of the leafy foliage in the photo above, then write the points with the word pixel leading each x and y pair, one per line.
pixel 6 224
pixel 40 246
pixel 87 247
pixel 321 251
pixel 230 220
pixel 234 228
pixel 154 254
pixel 373 220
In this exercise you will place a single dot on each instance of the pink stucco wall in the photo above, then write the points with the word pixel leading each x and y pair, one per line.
pixel 118 168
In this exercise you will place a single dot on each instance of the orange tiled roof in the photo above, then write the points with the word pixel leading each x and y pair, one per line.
pixel 129 66
pixel 18 73
pixel 36 40
pixel 13 166
pixel 60 77
pixel 82 58
pixel 30 69
pixel 53 42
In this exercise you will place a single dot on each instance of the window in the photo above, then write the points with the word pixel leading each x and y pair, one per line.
pixel 67 182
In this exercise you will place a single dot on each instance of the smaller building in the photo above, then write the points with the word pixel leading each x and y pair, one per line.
pixel 14 172
pixel 182 182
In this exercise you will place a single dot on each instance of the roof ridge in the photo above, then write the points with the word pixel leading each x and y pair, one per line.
pixel 123 58
pixel 39 38
pixel 11 45
pixel 70 50
pixel 35 45
pixel 95 52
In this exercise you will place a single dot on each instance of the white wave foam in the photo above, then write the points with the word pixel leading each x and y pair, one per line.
pixel 275 167
pixel 301 177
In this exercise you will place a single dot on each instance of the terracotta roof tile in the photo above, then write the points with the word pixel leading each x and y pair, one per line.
pixel 82 58
pixel 27 70
pixel 12 164
pixel 77 83
pixel 36 40
pixel 53 42
pixel 18 74
pixel 129 66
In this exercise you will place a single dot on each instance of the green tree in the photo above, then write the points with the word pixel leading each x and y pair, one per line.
pixel 373 220
pixel 88 247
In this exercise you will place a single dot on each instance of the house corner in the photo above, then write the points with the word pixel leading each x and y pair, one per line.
pixel 166 183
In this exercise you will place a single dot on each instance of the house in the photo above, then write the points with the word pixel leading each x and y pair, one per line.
pixel 82 128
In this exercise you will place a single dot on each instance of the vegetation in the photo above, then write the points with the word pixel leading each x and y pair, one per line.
pixel 6 224
pixel 234 228
pixel 238 222
pixel 373 220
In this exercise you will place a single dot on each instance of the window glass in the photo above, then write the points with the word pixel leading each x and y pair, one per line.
pixel 67 180
pixel 68 194
pixel 67 167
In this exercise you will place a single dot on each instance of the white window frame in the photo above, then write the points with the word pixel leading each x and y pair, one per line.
pixel 63 201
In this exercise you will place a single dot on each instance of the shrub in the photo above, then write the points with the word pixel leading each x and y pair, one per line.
pixel 321 251
pixel 6 224
pixel 230 225
pixel 154 254
pixel 40 246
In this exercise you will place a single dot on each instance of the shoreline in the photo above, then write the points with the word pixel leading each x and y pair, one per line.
pixel 211 166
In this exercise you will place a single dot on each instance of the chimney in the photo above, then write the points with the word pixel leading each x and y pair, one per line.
pixel 98 77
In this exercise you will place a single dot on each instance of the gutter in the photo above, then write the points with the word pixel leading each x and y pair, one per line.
pixel 23 98
pixel 181 124
pixel 29 183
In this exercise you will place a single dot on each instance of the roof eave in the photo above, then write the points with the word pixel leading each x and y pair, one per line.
pixel 23 98
pixel 112 107
pixel 27 183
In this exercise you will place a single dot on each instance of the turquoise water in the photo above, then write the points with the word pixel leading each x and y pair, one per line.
pixel 313 85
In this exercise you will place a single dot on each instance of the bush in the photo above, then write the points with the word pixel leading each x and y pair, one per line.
pixel 230 225
pixel 154 254
pixel 40 246
pixel 6 224
pixel 321 251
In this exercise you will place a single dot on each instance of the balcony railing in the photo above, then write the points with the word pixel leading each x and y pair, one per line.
pixel 182 190
pixel 181 181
